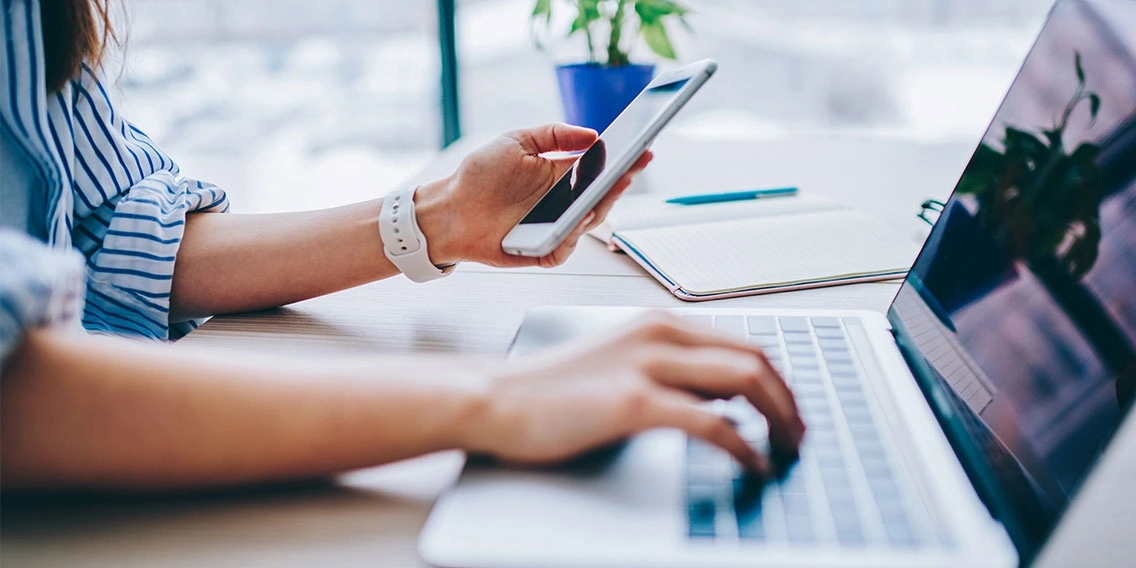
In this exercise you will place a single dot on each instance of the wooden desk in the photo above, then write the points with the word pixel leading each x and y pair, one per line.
pixel 372 517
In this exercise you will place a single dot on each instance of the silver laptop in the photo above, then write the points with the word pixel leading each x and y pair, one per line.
pixel 954 431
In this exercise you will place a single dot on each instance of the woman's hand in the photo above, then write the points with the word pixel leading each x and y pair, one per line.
pixel 467 215
pixel 656 373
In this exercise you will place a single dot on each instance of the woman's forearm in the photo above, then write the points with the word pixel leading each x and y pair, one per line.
pixel 105 413
pixel 233 263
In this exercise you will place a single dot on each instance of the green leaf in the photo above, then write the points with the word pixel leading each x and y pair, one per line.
pixel 1094 106
pixel 1077 64
pixel 650 12
pixel 543 8
pixel 656 37
pixel 589 12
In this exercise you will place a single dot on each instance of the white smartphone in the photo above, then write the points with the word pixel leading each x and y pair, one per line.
pixel 595 172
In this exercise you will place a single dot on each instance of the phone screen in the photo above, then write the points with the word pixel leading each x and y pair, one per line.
pixel 616 140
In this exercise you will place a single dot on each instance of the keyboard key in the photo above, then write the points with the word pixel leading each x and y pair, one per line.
pixel 822 437
pixel 799 529
pixel 700 519
pixel 703 320
pixel 849 534
pixel 809 390
pixel 792 483
pixel 795 504
pixel 850 395
pixel 799 362
pixel 899 534
pixel 841 502
pixel 842 369
pixel 824 322
pixel 857 415
pixel 761 324
pixel 884 488
pixel 877 468
pixel 837 356
pixel 697 492
pixel 891 510
pixel 815 406
pixel 794 324
pixel 830 344
pixel 766 341
pixel 829 332
pixel 733 326
pixel 799 337
pixel 751 522
pixel 812 376
pixel 708 472
pixel 799 349
pixel 831 464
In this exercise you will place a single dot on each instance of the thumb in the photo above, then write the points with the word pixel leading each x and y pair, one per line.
pixel 557 137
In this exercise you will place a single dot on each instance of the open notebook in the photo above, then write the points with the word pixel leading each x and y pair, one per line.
pixel 704 252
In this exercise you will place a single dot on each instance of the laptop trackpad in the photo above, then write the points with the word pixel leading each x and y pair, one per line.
pixel 590 508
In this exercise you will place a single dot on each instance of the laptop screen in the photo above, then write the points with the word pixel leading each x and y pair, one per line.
pixel 1022 304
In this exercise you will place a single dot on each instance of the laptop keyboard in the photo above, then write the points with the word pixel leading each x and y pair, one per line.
pixel 844 490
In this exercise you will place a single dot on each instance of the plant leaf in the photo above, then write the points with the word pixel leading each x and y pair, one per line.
pixel 543 8
pixel 588 13
pixel 656 37
pixel 1094 106
pixel 1077 65
pixel 651 11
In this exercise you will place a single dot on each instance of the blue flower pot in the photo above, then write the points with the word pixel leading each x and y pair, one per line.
pixel 593 95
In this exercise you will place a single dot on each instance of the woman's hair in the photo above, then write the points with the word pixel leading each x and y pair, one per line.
pixel 74 31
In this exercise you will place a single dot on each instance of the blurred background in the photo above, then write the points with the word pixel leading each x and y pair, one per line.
pixel 292 104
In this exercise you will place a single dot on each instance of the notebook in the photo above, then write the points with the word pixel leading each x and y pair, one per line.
pixel 705 252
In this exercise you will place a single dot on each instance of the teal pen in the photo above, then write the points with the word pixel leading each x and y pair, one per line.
pixel 733 196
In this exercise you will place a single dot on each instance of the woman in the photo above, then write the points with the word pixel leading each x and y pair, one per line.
pixel 154 252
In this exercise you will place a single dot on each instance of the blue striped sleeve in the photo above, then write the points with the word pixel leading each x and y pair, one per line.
pixel 39 287
pixel 130 208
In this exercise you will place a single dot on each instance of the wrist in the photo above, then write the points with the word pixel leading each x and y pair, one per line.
pixel 436 218
pixel 473 429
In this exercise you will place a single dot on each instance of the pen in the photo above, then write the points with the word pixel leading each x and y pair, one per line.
pixel 733 196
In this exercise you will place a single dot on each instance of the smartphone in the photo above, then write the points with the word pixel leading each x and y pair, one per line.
pixel 597 170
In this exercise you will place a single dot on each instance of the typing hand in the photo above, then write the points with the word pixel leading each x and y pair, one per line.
pixel 656 373
pixel 466 216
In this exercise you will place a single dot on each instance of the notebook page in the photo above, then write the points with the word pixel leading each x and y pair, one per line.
pixel 771 252
pixel 650 211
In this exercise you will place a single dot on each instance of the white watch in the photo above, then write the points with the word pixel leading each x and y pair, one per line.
pixel 403 242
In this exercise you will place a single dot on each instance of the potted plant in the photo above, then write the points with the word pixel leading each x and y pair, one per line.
pixel 595 92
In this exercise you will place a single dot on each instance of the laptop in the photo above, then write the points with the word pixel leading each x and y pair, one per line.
pixel 954 431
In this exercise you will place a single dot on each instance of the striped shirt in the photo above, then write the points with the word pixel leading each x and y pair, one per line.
pixel 80 176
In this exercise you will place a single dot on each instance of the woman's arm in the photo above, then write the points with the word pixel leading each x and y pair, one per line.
pixel 92 411
pixel 231 263
pixel 98 412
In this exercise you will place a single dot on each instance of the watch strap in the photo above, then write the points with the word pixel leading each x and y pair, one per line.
pixel 403 242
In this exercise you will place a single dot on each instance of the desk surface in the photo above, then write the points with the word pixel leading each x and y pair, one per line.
pixel 372 517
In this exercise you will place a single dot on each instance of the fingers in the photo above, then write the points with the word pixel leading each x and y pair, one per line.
pixel 565 249
pixel 555 137
pixel 725 373
pixel 682 411
pixel 738 368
